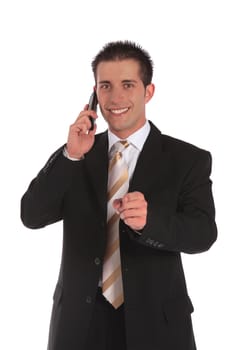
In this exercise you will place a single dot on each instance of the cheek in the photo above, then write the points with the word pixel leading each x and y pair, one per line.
pixel 139 104
pixel 103 101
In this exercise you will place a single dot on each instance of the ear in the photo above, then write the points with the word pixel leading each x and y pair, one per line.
pixel 150 89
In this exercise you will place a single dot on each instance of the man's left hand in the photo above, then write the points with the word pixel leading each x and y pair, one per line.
pixel 132 208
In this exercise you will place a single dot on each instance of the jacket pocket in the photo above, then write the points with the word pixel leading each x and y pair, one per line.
pixel 178 308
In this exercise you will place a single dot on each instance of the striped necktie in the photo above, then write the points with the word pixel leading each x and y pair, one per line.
pixel 118 184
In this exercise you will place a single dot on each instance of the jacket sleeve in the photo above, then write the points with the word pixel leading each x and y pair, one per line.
pixel 190 228
pixel 42 204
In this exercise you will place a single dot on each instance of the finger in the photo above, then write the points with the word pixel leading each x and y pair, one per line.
pixel 80 128
pixel 137 203
pixel 117 205
pixel 133 213
pixel 117 202
pixel 132 196
pixel 84 119
pixel 92 132
pixel 136 223
pixel 134 204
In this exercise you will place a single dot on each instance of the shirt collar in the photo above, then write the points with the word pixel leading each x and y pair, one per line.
pixel 137 139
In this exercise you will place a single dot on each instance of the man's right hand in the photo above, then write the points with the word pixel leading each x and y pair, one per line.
pixel 80 138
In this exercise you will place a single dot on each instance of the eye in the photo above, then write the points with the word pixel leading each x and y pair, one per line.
pixel 128 85
pixel 104 86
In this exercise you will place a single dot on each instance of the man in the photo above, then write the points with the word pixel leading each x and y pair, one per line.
pixel 131 199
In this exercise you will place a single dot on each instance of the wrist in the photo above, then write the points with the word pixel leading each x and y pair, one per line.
pixel 77 156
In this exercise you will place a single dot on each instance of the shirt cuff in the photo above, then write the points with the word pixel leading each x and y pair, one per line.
pixel 65 153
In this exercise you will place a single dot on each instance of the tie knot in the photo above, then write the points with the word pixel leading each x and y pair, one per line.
pixel 119 146
pixel 124 143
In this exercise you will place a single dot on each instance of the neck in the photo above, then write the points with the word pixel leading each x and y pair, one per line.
pixel 124 134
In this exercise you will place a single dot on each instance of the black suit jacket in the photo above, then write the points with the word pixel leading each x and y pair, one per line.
pixel 174 177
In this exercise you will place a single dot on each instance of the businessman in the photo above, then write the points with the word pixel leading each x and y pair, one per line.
pixel 131 200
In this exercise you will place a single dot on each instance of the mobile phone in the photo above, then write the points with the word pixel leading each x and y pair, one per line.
pixel 92 106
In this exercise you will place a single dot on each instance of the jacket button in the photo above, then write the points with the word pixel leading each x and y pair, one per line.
pixel 88 299
pixel 97 261
pixel 149 241
pixel 160 245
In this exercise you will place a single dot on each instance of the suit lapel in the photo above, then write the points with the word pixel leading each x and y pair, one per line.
pixel 152 167
pixel 96 162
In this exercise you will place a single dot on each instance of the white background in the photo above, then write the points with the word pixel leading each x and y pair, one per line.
pixel 45 80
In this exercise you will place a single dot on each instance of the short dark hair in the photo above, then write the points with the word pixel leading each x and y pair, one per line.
pixel 121 50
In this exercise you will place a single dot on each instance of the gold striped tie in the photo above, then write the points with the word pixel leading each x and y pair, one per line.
pixel 118 184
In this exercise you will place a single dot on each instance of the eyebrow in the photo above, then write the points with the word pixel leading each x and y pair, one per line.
pixel 123 81
pixel 129 81
pixel 104 82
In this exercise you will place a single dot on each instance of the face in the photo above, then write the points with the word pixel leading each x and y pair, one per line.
pixel 122 96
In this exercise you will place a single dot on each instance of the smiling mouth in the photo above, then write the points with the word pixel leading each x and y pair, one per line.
pixel 118 111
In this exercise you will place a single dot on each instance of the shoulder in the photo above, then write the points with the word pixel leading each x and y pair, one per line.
pixel 170 143
pixel 173 144
pixel 191 158
pixel 185 151
pixel 179 149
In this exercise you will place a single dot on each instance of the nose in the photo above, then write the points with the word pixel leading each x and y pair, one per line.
pixel 116 96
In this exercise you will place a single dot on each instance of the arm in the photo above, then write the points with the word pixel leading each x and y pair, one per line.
pixel 190 228
pixel 42 204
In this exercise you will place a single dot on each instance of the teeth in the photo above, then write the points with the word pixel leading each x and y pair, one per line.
pixel 119 111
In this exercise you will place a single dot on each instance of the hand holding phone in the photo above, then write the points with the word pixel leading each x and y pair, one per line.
pixel 92 106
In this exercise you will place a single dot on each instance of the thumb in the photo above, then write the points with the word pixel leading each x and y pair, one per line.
pixel 117 204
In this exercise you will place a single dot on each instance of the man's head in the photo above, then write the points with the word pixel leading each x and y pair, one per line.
pixel 122 50
pixel 123 73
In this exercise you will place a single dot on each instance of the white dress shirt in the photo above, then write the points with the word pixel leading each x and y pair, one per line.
pixel 136 141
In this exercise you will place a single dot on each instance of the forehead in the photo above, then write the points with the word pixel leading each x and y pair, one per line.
pixel 118 70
